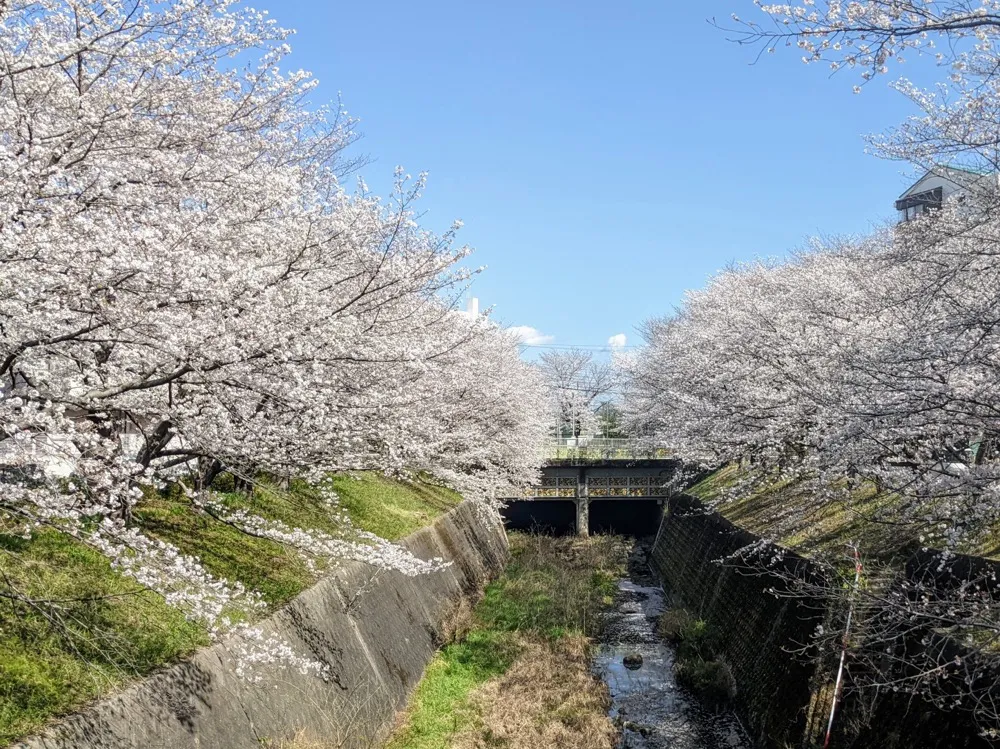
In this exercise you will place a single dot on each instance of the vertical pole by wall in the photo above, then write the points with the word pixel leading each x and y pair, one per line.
pixel 663 519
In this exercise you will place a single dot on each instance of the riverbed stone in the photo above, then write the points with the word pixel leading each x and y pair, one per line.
pixel 632 661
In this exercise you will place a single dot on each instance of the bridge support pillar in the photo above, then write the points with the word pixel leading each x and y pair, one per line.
pixel 583 516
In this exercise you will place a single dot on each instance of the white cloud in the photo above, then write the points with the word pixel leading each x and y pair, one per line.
pixel 530 336
pixel 618 341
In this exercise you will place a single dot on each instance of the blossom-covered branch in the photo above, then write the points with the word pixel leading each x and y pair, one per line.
pixel 187 287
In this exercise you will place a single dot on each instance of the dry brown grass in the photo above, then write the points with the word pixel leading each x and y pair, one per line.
pixel 302 740
pixel 548 698
pixel 457 622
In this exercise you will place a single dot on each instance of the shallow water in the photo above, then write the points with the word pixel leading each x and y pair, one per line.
pixel 653 711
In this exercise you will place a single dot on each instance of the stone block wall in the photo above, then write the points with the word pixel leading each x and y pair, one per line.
pixel 703 561
pixel 900 717
pixel 757 628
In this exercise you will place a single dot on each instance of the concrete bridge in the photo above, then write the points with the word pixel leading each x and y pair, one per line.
pixel 598 485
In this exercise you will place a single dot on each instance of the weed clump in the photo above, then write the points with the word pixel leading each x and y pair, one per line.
pixel 672 624
pixel 712 680
pixel 699 667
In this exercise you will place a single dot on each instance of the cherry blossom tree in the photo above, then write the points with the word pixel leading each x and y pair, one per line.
pixel 186 287
pixel 869 361
pixel 579 388
pixel 928 337
pixel 956 120
pixel 868 35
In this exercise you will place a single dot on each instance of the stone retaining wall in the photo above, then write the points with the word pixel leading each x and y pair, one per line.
pixel 708 564
pixel 757 629
pixel 376 644
pixel 901 718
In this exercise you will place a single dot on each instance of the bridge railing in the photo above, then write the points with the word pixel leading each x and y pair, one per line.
pixel 601 487
pixel 603 448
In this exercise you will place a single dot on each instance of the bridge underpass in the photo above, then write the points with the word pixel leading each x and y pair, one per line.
pixel 586 490
pixel 561 517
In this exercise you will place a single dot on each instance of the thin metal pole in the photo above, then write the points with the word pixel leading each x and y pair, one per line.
pixel 843 648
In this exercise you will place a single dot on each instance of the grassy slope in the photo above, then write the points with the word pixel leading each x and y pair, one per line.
pixel 538 612
pixel 102 631
pixel 786 512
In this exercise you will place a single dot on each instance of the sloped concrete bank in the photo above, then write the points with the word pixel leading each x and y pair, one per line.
pixel 376 632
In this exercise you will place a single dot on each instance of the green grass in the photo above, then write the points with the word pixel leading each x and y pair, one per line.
pixel 96 630
pixel 788 512
pixel 438 708
pixel 552 588
pixel 389 508
pixel 99 631
pixel 713 486
pixel 554 585
pixel 791 514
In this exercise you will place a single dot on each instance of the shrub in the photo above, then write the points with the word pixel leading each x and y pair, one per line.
pixel 697 640
pixel 672 624
pixel 711 680
pixel 697 667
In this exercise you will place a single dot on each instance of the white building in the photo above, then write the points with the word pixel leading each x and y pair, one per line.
pixel 941 184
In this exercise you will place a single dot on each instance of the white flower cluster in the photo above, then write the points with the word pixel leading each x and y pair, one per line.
pixel 180 579
pixel 872 361
pixel 315 544
pixel 870 34
pixel 251 648
pixel 186 287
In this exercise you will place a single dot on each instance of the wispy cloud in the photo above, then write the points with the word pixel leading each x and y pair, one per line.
pixel 530 336
pixel 618 341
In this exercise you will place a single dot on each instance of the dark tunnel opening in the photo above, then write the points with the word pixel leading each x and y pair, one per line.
pixel 556 517
pixel 626 517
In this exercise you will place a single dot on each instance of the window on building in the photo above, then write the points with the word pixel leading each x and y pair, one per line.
pixel 913 206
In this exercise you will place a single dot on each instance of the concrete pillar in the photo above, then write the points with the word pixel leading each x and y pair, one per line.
pixel 582 505
pixel 583 516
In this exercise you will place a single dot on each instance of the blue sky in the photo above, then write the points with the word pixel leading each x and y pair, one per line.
pixel 604 157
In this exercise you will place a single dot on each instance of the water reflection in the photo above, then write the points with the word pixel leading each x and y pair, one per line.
pixel 652 709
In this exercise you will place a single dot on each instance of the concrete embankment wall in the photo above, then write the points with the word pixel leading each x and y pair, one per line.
pixel 376 634
pixel 757 629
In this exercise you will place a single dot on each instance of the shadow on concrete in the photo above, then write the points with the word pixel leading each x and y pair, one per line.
pixel 556 517
pixel 625 517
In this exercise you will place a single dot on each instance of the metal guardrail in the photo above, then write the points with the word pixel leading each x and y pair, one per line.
pixel 601 487
pixel 603 448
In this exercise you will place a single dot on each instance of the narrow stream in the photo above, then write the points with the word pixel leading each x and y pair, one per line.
pixel 653 711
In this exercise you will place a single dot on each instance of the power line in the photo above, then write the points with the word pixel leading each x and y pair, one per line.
pixel 569 346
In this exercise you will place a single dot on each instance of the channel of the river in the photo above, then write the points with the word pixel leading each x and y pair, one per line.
pixel 652 710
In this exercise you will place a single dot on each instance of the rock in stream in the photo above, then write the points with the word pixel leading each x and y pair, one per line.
pixel 647 704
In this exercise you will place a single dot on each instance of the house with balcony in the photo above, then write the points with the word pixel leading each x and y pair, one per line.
pixel 939 185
